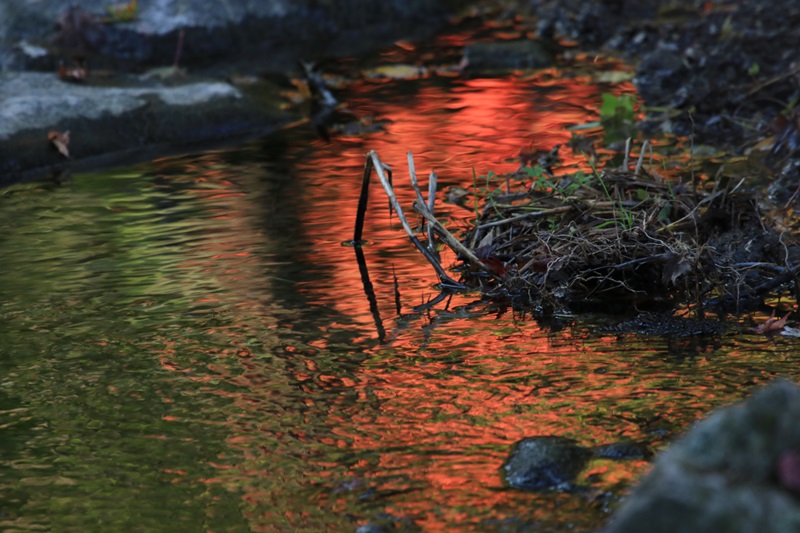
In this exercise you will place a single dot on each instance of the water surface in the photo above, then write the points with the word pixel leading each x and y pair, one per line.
pixel 186 346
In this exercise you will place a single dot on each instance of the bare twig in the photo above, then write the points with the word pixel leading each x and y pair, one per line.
pixel 432 183
pixel 412 174
pixel 443 277
pixel 627 153
pixel 534 214
pixel 451 241
pixel 641 157
pixel 422 208
pixel 773 80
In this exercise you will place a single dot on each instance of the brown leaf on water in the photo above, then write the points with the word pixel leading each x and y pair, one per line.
pixel 60 141
pixel 396 72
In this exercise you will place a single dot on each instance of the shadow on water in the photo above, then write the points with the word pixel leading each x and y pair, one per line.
pixel 186 345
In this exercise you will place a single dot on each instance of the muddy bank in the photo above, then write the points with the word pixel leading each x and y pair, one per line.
pixel 726 73
pixel 621 237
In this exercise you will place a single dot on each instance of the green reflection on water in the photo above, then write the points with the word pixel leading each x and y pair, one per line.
pixel 117 336
pixel 96 450
pixel 185 346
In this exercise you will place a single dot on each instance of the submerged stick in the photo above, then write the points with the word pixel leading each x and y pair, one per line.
pixel 361 210
pixel 445 280
pixel 369 290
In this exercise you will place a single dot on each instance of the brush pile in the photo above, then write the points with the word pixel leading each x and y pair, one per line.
pixel 614 239
pixel 622 237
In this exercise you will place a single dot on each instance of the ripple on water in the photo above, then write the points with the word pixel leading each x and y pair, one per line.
pixel 188 336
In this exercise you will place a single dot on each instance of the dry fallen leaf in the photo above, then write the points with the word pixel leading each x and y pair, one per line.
pixel 614 76
pixel 76 73
pixel 60 141
pixel 124 12
pixel 396 72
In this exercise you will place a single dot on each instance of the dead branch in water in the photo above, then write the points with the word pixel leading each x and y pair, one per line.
pixel 374 163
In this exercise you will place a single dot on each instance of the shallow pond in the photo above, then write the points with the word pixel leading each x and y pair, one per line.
pixel 187 346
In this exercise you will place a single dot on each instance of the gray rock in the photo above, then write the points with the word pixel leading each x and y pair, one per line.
pixel 214 30
pixel 721 476
pixel 541 463
pixel 36 100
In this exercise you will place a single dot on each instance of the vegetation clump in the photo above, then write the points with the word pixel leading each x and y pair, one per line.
pixel 612 240
pixel 621 237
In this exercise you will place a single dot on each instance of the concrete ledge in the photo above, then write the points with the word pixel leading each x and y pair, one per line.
pixel 104 121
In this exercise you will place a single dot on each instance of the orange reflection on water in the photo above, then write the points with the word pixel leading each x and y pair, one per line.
pixel 430 417
pixel 450 424
pixel 424 422
pixel 453 127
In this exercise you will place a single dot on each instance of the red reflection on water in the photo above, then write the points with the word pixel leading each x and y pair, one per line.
pixel 452 127
pixel 422 416
pixel 452 424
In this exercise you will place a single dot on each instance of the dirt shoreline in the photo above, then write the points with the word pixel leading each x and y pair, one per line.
pixel 726 73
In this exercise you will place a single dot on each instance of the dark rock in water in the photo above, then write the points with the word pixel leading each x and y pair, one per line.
pixel 548 462
pixel 667 325
pixel 541 463
pixel 520 54
pixel 386 523
pixel 622 450
pixel 108 121
pixel 724 475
